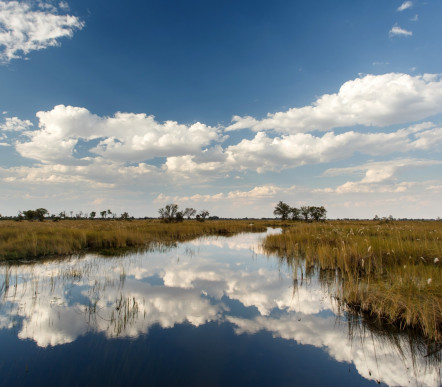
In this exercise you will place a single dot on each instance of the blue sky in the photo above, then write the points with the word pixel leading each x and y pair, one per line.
pixel 229 106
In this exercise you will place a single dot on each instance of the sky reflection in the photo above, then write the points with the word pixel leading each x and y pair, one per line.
pixel 221 280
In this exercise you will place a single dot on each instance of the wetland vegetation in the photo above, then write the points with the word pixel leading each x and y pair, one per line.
pixel 215 304
pixel 28 240
pixel 389 269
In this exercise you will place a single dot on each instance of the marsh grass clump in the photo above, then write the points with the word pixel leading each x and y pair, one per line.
pixel 33 240
pixel 392 270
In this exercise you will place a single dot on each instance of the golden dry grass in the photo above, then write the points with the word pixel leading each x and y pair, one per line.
pixel 30 240
pixel 392 270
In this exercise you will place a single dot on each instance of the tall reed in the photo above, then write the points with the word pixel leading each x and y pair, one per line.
pixel 392 270
pixel 31 240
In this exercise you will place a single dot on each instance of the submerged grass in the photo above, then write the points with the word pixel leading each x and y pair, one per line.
pixel 33 240
pixel 391 270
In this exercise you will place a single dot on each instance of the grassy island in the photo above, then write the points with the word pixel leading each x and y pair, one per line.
pixel 389 269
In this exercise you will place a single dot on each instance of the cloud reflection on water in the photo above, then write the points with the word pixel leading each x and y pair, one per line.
pixel 56 302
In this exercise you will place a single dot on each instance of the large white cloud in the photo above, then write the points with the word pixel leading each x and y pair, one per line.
pixel 124 141
pixel 379 176
pixel 371 100
pixel 125 137
pixel 26 27
pixel 266 153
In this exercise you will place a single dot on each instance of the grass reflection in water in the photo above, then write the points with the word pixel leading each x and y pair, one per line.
pixel 226 281
pixel 391 270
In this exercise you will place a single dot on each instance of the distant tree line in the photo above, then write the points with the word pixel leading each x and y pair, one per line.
pixel 306 213
pixel 384 219
pixel 42 213
pixel 170 214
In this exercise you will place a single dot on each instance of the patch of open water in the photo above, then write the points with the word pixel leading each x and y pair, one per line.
pixel 213 311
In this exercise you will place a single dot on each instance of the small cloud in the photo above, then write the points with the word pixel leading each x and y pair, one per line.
pixel 15 124
pixel 380 63
pixel 63 5
pixel 415 18
pixel 30 26
pixel 398 31
pixel 162 198
pixel 4 144
pixel 405 5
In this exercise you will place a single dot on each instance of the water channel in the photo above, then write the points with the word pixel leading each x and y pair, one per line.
pixel 212 311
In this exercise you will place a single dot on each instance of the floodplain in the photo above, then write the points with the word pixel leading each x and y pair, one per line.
pixel 221 302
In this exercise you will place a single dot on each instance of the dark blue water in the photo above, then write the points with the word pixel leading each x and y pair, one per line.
pixel 215 311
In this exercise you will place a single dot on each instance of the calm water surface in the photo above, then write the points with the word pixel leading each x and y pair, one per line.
pixel 214 311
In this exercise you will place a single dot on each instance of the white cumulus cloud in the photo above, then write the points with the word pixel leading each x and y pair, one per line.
pixel 15 124
pixel 371 100
pixel 264 153
pixel 26 27
pixel 124 137
pixel 124 144
pixel 379 176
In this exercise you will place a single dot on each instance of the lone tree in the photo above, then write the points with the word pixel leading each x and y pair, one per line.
pixel 283 210
pixel 29 214
pixel 189 212
pixel 41 213
pixel 201 217
pixel 295 213
pixel 170 213
pixel 305 212
pixel 38 214
pixel 318 213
